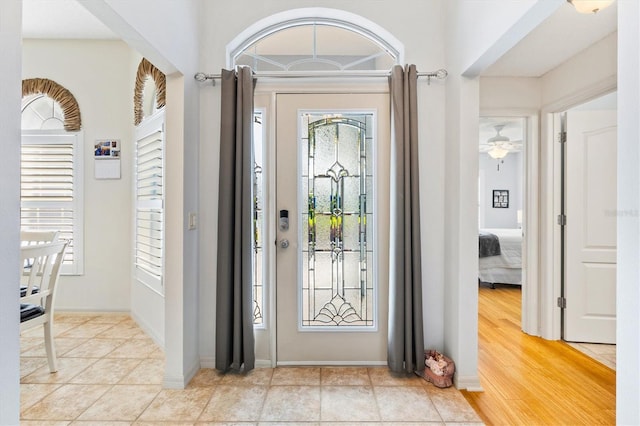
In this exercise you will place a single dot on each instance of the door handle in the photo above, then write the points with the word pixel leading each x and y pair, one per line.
pixel 284 243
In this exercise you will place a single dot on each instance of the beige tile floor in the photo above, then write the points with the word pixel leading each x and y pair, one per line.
pixel 110 373
pixel 605 354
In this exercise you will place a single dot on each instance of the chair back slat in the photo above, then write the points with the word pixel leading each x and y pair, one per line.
pixel 36 308
pixel 44 262
pixel 29 238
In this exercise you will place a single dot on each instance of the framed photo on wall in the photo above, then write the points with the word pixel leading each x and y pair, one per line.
pixel 500 199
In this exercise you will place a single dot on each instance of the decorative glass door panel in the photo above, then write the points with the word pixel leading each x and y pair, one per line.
pixel 337 286
pixel 330 306
pixel 258 220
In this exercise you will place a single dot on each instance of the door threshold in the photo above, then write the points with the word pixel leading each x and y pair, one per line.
pixel 331 363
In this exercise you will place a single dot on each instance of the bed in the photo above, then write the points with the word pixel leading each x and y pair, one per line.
pixel 500 258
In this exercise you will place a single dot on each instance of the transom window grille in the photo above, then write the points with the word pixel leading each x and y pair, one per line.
pixel 149 219
pixel 337 255
pixel 51 177
pixel 258 220
pixel 40 112
pixel 316 46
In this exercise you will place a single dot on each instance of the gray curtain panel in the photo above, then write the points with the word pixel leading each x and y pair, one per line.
pixel 234 303
pixel 406 340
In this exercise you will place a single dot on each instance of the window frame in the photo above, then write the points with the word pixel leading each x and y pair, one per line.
pixel 60 136
pixel 263 29
pixel 147 127
pixel 262 303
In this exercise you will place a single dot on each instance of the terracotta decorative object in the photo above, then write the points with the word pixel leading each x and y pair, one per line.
pixel 438 370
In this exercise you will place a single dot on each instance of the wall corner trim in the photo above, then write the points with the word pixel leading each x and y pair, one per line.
pixel 469 383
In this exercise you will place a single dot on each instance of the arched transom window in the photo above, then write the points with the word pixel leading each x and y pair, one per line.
pixel 51 166
pixel 316 45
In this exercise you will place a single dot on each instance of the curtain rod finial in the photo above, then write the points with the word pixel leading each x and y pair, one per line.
pixel 201 77
pixel 441 73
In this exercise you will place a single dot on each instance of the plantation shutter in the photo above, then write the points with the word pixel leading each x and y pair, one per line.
pixel 149 220
pixel 50 190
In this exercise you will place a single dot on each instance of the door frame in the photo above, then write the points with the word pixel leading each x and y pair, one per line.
pixel 550 322
pixel 272 87
pixel 531 219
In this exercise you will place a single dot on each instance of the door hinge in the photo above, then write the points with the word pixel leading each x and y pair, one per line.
pixel 562 219
pixel 562 137
pixel 562 302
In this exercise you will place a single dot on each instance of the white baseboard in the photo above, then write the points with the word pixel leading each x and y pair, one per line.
pixel 207 362
pixel 148 330
pixel 181 382
pixel 469 383
pixel 263 363
pixel 173 382
pixel 210 362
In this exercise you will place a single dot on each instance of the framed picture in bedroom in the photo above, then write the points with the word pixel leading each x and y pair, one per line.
pixel 500 199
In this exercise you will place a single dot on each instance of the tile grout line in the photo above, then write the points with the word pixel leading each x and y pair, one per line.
pixel 92 404
pixel 212 389
pixel 375 395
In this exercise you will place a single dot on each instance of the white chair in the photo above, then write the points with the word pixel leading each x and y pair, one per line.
pixel 37 307
pixel 29 238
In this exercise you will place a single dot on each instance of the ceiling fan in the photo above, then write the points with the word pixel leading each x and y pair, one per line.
pixel 499 145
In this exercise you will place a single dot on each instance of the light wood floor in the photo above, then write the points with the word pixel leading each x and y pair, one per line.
pixel 531 381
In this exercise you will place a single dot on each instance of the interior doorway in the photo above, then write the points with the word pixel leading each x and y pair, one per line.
pixel 502 201
pixel 588 219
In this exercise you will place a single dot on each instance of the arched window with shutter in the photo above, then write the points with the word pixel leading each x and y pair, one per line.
pixel 51 166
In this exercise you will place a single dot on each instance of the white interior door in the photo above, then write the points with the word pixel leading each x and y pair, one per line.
pixel 590 247
pixel 332 262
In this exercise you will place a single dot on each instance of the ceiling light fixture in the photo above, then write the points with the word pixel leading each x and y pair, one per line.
pixel 590 6
pixel 497 152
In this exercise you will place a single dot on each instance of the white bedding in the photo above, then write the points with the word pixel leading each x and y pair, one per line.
pixel 507 267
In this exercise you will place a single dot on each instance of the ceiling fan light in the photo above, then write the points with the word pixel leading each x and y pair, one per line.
pixel 590 6
pixel 497 153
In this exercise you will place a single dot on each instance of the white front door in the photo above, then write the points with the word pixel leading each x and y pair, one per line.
pixel 332 180
pixel 590 248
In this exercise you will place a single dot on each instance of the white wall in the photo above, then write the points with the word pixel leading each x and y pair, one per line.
pixel 10 95
pixel 558 86
pixel 593 66
pixel 98 74
pixel 510 93
pixel 412 30
pixel 509 177
pixel 492 27
pixel 164 34
pixel 147 305
pixel 628 289
pixel 470 44
pixel 168 37
pixel 476 34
